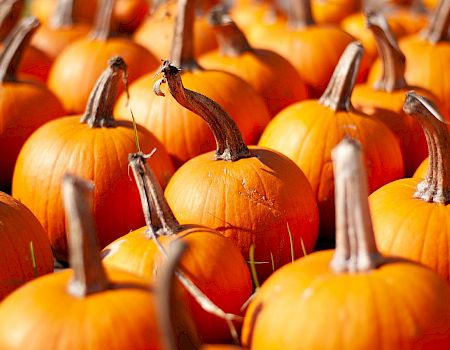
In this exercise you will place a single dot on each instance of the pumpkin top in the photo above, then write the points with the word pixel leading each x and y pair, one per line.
pixel 102 26
pixel 356 250
pixel 62 16
pixel 229 141
pixel 89 275
pixel 99 109
pixel 392 58
pixel 337 95
pixel 300 14
pixel 439 25
pixel 14 47
pixel 436 185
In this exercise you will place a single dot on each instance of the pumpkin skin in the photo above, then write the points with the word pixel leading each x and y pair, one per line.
pixel 84 10
pixel 333 11
pixel 18 228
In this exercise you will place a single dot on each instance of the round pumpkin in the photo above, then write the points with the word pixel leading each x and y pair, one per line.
pixel 333 11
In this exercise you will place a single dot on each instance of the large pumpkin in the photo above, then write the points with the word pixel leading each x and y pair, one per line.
pixel 354 297
pixel 307 131
pixel 254 196
pixel 96 148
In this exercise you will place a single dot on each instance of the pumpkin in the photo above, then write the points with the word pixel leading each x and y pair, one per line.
pixel 363 299
pixel 95 147
pixel 24 106
pixel 431 4
pixel 298 132
pixel 214 264
pixel 384 99
pixel 10 12
pixel 333 11
pixel 84 10
pixel 424 233
pixel 254 196
pixel 184 134
pixel 430 51
pixel 76 69
pixel 60 32
pixel 271 75
pixel 58 309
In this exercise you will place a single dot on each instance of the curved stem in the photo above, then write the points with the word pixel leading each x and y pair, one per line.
pixel 10 12
pixel 230 145
pixel 101 29
pixel 99 109
pixel 300 14
pixel 438 27
pixel 392 58
pixel 158 215
pixel 182 51
pixel 436 185
pixel 15 45
pixel 232 41
pixel 88 273
pixel 62 17
pixel 339 90
pixel 356 250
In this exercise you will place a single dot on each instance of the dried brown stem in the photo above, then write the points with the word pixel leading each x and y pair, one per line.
pixel 300 14
pixel 439 24
pixel 10 11
pixel 102 26
pixel 62 17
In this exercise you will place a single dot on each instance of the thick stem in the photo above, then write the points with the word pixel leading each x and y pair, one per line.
pixel 62 17
pixel 15 45
pixel 88 273
pixel 158 215
pixel 337 95
pixel 10 11
pixel 436 185
pixel 300 14
pixel 439 25
pixel 232 42
pixel 182 51
pixel 229 141
pixel 392 58
pixel 99 109
pixel 356 250
pixel 102 26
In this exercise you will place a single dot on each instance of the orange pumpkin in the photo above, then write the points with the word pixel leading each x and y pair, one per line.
pixel 84 10
pixel 96 148
pixel 271 75
pixel 75 71
pixel 416 224
pixel 363 300
pixel 384 99
pixel 431 4
pixel 255 196
pixel 213 262
pixel 298 132
pixel 86 307
pixel 182 132
pixel 24 106
pixel 333 11
pixel 10 12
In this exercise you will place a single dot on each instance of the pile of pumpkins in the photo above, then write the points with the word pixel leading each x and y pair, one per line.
pixel 251 175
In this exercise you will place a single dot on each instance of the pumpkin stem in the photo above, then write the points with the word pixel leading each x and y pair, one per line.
pixel 182 51
pixel 339 90
pixel 62 17
pixel 102 25
pixel 229 141
pixel 158 215
pixel 89 275
pixel 392 58
pixel 356 250
pixel 232 42
pixel 8 15
pixel 436 185
pixel 15 44
pixel 300 14
pixel 99 109
pixel 438 26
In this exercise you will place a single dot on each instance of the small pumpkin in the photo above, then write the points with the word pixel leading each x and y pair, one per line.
pixel 333 11
pixel 84 10
pixel 354 293
pixel 96 147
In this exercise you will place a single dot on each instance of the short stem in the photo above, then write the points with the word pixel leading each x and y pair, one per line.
pixel 300 14
pixel 182 51
pixel 101 29
pixel 158 215
pixel 15 45
pixel 229 141
pixel 99 109
pixel 62 17
pixel 232 41
pixel 356 250
pixel 337 95
pixel 89 275
pixel 392 58
pixel 436 185
pixel 438 27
